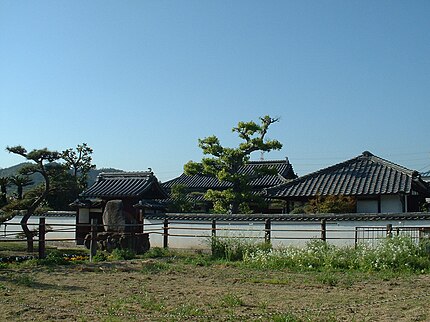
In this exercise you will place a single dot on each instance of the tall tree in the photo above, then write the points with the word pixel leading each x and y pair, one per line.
pixel 80 162
pixel 20 182
pixel 4 183
pixel 225 162
pixel 41 159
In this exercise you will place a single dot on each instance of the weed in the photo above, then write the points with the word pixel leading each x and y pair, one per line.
pixel 234 248
pixel 187 310
pixel 328 278
pixel 286 317
pixel 151 267
pixel 148 302
pixel 24 280
pixel 157 252
pixel 393 254
pixel 54 257
pixel 231 300
pixel 122 254
pixel 100 257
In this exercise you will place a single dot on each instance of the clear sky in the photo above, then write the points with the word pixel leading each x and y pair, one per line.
pixel 141 81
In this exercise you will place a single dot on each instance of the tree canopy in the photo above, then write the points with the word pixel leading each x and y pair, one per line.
pixel 60 185
pixel 224 163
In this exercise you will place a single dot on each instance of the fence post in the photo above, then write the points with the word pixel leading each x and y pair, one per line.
pixel 267 230
pixel 323 230
pixel 165 233
pixel 93 242
pixel 389 230
pixel 356 238
pixel 42 231
pixel 213 228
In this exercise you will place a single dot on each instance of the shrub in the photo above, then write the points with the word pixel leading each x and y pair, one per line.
pixel 157 252
pixel 55 257
pixel 234 248
pixel 100 257
pixel 394 254
pixel 122 254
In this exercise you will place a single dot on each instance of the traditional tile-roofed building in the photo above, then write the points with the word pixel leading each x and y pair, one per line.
pixel 130 187
pixel 377 184
pixel 425 176
pixel 197 185
pixel 125 185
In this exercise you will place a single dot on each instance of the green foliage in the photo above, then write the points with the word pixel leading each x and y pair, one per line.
pixel 53 258
pixel 225 162
pixel 20 181
pixel 61 182
pixel 330 204
pixel 157 252
pixel 393 254
pixel 231 300
pixel 100 257
pixel 4 183
pixel 153 267
pixel 298 210
pixel 122 254
pixel 80 162
pixel 234 248
pixel 24 280
pixel 148 302
pixel 180 200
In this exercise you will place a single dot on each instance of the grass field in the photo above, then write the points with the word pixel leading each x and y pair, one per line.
pixel 193 287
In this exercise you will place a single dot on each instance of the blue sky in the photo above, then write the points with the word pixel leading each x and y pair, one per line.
pixel 141 81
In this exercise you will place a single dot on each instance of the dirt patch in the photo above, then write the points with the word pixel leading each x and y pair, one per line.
pixel 159 290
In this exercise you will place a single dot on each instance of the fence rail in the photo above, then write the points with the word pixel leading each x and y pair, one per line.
pixel 266 230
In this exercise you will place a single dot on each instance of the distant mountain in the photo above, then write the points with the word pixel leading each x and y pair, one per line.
pixel 37 178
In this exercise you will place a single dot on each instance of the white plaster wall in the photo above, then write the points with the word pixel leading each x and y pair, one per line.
pixel 391 204
pixel 196 234
pixel 367 206
pixel 84 215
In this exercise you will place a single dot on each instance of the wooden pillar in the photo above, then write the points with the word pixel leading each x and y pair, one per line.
pixel 356 238
pixel 93 242
pixel 42 231
pixel 323 230
pixel 389 230
pixel 267 230
pixel 213 228
pixel 165 233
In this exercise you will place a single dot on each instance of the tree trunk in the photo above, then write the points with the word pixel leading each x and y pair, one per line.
pixel 30 212
pixel 19 192
pixel 27 232
pixel 3 200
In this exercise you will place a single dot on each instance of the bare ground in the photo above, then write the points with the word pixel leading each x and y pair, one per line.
pixel 159 290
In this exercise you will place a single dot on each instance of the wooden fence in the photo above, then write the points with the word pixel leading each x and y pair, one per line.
pixel 267 228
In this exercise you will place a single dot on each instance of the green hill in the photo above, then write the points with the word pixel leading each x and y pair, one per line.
pixel 38 179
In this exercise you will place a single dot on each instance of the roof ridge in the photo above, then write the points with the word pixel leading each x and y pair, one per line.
pixel 365 160
pixel 130 174
pixel 390 164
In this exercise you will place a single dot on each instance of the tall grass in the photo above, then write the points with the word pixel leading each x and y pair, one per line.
pixel 395 254
pixel 235 248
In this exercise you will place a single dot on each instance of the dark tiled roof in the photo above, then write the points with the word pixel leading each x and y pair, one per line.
pixel 364 175
pixel 152 204
pixel 283 167
pixel 125 185
pixel 291 218
pixel 425 176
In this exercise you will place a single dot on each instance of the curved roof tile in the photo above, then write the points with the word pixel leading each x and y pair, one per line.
pixel 124 185
pixel 366 174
